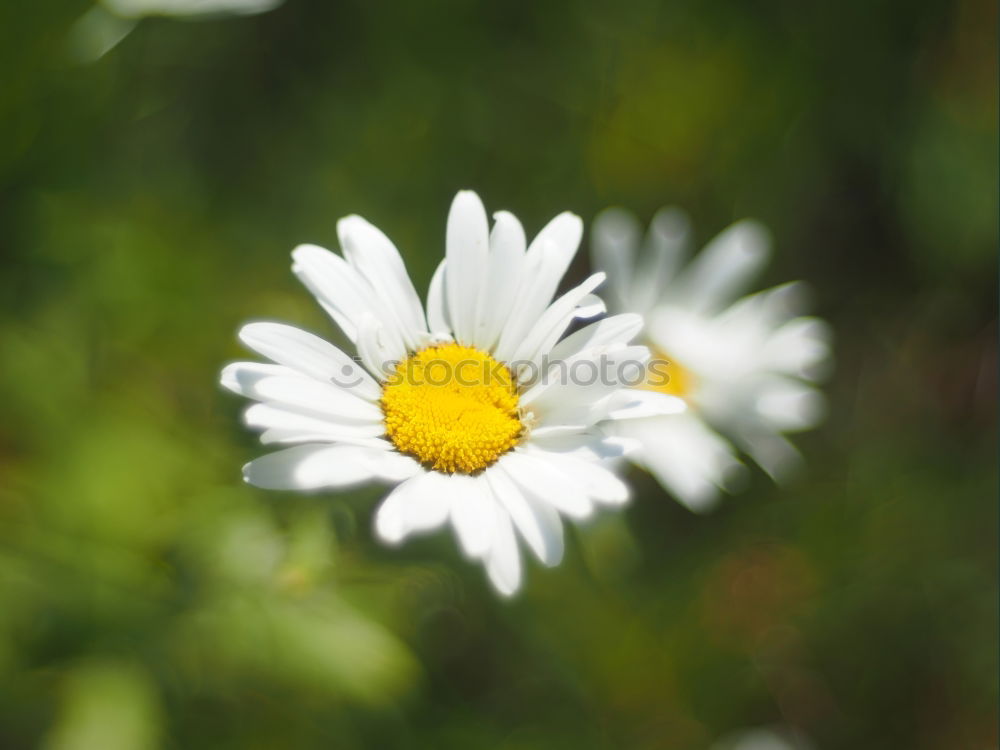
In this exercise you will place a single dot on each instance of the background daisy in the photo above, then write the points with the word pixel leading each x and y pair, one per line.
pixel 744 366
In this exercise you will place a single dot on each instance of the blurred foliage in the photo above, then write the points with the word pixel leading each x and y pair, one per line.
pixel 148 201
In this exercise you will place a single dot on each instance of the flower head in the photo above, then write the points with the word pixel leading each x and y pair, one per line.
pixel 745 366
pixel 472 409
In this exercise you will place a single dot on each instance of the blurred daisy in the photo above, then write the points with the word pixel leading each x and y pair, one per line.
pixel 744 366
pixel 450 405
pixel 102 27
pixel 764 738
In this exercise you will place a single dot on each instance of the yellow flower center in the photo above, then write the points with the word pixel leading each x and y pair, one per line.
pixel 453 408
pixel 665 375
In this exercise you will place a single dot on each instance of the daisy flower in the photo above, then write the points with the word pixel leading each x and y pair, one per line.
pixel 479 410
pixel 745 366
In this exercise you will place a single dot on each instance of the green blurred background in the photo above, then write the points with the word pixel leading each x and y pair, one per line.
pixel 148 202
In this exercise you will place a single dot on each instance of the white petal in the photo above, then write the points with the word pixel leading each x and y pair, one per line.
pixel 419 504
pixel 472 514
pixel 503 563
pixel 629 403
pixel 725 267
pixel 272 416
pixel 466 246
pixel 315 398
pixel 593 444
pixel 616 329
pixel 599 483
pixel 242 377
pixel 545 263
pixel 614 240
pixel 309 354
pixel 378 260
pixel 542 481
pixel 378 355
pixel 280 436
pixel 664 249
pixel 343 292
pixel 572 389
pixel 590 306
pixel 763 311
pixel 313 467
pixel 503 274
pixel 437 307
pixel 390 466
pixel 788 405
pixel 558 430
pixel 774 453
pixel 685 456
pixel 556 245
pixel 554 322
pixel 800 347
pixel 538 523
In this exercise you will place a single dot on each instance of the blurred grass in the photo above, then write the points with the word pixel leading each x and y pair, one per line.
pixel 147 204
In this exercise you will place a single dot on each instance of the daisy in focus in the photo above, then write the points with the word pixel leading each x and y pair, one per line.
pixel 472 408
pixel 744 365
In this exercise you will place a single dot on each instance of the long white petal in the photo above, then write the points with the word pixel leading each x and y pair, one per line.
pixel 539 479
pixel 343 292
pixel 313 467
pixel 629 403
pixel 472 514
pixel 572 388
pixel 789 405
pixel 686 457
pixel 774 453
pixel 302 351
pixel 467 241
pixel 415 506
pixel 615 329
pixel 378 355
pixel 313 397
pixel 331 279
pixel 274 416
pixel 242 377
pixel 503 273
pixel 593 443
pixel 725 268
pixel 545 263
pixel 379 262
pixel 614 238
pixel 503 563
pixel 554 322
pixel 665 248
pixel 282 436
pixel 438 318
pixel 538 523
pixel 599 483
pixel 800 347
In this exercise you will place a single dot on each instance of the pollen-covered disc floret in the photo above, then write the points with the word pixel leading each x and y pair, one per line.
pixel 454 408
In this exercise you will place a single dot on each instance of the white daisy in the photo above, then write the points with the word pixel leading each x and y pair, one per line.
pixel 450 405
pixel 744 366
